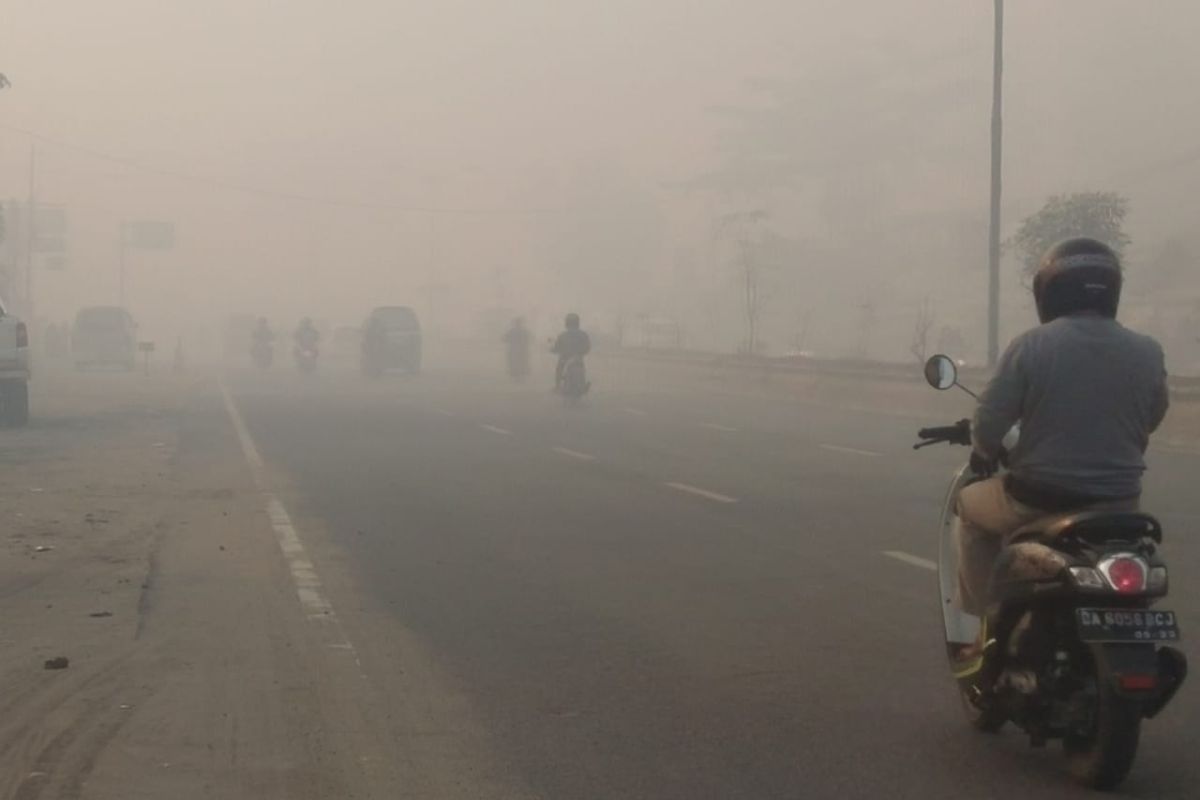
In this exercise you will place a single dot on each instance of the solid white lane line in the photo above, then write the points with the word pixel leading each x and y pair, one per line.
pixel 637 412
pixel 705 493
pixel 908 558
pixel 854 451
pixel 444 412
pixel 715 427
pixel 498 431
pixel 574 454
pixel 304 575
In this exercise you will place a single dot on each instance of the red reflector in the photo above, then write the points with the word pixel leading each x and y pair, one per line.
pixel 22 335
pixel 1137 683
pixel 1127 576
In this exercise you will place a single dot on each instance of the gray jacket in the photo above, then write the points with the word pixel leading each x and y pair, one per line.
pixel 1088 393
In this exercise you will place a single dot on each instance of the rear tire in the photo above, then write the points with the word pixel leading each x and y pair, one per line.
pixel 1103 759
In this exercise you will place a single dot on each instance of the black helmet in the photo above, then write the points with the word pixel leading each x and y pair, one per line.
pixel 1077 275
pixel 572 321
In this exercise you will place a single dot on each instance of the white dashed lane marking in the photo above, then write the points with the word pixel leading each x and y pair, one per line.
pixel 564 451
pixel 496 430
pixel 908 558
pixel 712 426
pixel 854 451
pixel 304 575
pixel 698 492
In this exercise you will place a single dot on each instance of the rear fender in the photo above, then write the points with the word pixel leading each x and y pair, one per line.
pixel 1145 673
pixel 1172 670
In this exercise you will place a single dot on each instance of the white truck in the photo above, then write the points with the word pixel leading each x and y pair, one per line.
pixel 14 370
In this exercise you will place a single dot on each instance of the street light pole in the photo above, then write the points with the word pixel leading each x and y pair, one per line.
pixel 31 241
pixel 122 244
pixel 993 344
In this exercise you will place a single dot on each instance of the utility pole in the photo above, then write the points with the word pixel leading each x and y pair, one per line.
pixel 31 234
pixel 122 245
pixel 993 345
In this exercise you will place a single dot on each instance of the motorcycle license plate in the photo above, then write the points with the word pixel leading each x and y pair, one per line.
pixel 1126 625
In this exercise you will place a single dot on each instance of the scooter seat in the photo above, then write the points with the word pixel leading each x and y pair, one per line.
pixel 1093 526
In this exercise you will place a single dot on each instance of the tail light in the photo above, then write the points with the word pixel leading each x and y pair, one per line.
pixel 22 335
pixel 1138 683
pixel 1126 574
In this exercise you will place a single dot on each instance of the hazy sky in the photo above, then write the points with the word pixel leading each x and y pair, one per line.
pixel 499 106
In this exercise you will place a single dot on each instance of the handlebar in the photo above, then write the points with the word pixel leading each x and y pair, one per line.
pixel 958 433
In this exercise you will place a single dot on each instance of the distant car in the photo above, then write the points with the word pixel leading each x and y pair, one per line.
pixel 104 336
pixel 391 339
pixel 14 370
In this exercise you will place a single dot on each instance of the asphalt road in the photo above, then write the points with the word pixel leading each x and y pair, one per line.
pixel 674 591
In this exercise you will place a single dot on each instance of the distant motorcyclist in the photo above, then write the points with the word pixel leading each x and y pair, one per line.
pixel 1087 393
pixel 571 343
pixel 306 336
pixel 262 334
pixel 516 340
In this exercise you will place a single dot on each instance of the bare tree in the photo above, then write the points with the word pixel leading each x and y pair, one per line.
pixel 921 327
pixel 1097 214
pixel 746 230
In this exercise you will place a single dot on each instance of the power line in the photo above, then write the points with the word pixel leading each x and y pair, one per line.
pixel 275 194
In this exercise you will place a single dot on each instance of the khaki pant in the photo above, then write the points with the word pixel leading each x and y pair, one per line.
pixel 987 515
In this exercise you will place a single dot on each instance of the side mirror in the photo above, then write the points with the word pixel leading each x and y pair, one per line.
pixel 941 372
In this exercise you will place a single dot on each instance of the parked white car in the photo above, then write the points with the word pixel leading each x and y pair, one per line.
pixel 14 370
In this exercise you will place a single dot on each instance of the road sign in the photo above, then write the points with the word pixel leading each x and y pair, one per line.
pixel 148 234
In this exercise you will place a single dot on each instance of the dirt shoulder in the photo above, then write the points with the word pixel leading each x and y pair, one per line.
pixel 136 547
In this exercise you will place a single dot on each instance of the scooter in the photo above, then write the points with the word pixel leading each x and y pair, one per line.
pixel 574 383
pixel 306 358
pixel 517 363
pixel 262 354
pixel 1071 646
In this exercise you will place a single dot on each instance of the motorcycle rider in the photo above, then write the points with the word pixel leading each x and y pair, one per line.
pixel 306 336
pixel 516 338
pixel 262 335
pixel 570 343
pixel 1087 393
